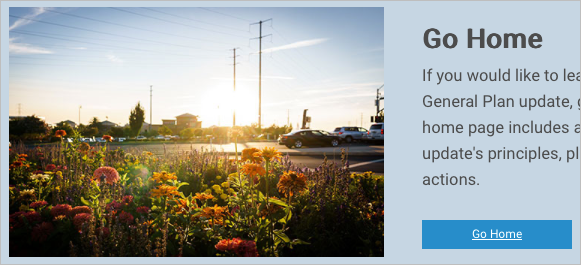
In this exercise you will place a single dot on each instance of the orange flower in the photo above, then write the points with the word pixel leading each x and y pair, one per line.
pixel 291 182
pixel 108 174
pixel 165 191
pixel 270 154
pixel 182 206
pixel 216 213
pixel 252 170
pixel 60 133
pixel 252 154
pixel 107 138
pixel 203 196
pixel 163 176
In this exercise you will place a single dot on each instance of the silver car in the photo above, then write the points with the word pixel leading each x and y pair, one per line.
pixel 376 132
pixel 349 134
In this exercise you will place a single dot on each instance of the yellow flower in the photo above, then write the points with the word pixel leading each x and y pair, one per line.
pixel 161 177
pixel 216 187
pixel 225 185
pixel 165 191
pixel 218 177
pixel 270 154
pixel 223 196
pixel 208 191
pixel 60 174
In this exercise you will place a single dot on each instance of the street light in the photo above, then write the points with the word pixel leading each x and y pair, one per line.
pixel 80 114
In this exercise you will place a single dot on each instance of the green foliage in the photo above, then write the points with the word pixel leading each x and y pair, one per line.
pixel 28 128
pixel 187 133
pixel 164 130
pixel 136 119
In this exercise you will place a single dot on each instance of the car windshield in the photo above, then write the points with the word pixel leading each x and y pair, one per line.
pixel 317 133
pixel 324 133
pixel 376 127
pixel 338 129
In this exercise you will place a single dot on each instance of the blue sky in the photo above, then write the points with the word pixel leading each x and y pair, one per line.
pixel 327 60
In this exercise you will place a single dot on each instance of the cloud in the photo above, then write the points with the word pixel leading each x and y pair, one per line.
pixel 77 48
pixel 36 11
pixel 24 48
pixel 295 45
pixel 114 59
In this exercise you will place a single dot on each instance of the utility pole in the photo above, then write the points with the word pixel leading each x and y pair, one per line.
pixel 260 69
pixel 19 105
pixel 234 114
pixel 361 120
pixel 80 107
pixel 288 117
pixel 377 99
pixel 150 107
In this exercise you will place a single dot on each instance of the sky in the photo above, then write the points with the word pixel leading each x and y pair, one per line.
pixel 327 60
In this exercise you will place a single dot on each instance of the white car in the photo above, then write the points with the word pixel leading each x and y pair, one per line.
pixel 160 137
pixel 140 138
pixel 350 134
pixel 375 132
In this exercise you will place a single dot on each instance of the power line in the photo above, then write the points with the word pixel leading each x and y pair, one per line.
pixel 173 22
pixel 112 34
pixel 224 14
pixel 106 45
pixel 191 19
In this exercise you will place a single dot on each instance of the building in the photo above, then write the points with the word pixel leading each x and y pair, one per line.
pixel 105 126
pixel 70 123
pixel 176 125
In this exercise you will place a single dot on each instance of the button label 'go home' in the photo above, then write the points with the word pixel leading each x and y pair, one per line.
pixel 496 235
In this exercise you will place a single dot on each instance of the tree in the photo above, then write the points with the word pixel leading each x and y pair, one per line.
pixel 116 132
pixel 28 128
pixel 63 126
pixel 164 130
pixel 88 130
pixel 136 119
pixel 187 133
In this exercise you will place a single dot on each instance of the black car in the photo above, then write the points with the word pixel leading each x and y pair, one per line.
pixel 301 138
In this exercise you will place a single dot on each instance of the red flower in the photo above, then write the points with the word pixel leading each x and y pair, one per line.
pixel 143 209
pixel 79 210
pixel 112 206
pixel 242 248
pixel 50 167
pixel 108 174
pixel 60 133
pixel 105 231
pixel 38 204
pixel 31 217
pixel 80 219
pixel 126 217
pixel 41 231
pixel 127 199
pixel 60 209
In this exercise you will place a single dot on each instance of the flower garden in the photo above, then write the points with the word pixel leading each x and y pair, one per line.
pixel 73 199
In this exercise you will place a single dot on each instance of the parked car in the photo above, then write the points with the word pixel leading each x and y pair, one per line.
pixel 140 138
pixel 121 139
pixel 350 134
pixel 302 138
pixel 160 137
pixel 375 132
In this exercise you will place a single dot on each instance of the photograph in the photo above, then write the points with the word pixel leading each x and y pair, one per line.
pixel 195 131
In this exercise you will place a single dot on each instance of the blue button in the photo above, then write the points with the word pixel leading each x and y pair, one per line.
pixel 497 234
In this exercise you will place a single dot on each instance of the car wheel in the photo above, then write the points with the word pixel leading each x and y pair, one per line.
pixel 348 139
pixel 334 142
pixel 298 144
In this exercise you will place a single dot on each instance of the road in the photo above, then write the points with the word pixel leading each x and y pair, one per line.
pixel 362 157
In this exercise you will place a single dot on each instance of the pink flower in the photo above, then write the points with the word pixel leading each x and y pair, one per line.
pixel 50 167
pixel 127 199
pixel 113 206
pixel 107 174
pixel 242 248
